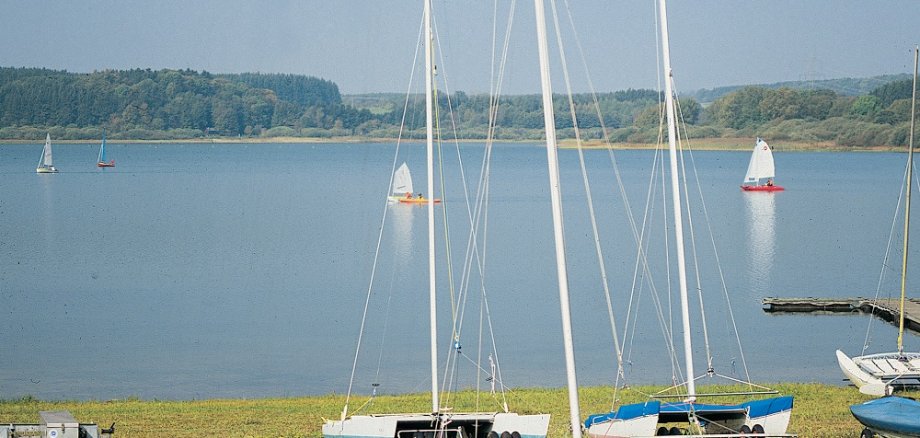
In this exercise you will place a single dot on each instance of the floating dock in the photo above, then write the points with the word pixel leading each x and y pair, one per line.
pixel 884 308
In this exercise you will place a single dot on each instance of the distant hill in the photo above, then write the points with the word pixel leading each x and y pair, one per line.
pixel 844 86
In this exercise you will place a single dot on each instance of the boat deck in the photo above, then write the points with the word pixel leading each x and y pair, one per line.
pixel 884 308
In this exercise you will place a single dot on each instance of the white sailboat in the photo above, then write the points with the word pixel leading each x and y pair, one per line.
pixel 440 421
pixel 763 417
pixel 402 184
pixel 761 170
pixel 45 164
pixel 878 374
pixel 101 160
pixel 402 188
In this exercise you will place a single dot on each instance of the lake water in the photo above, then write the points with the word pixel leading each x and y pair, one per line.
pixel 201 271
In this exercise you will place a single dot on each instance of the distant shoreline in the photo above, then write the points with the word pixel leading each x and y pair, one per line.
pixel 702 144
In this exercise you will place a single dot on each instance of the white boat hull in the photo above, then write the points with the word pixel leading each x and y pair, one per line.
pixel 406 425
pixel 873 373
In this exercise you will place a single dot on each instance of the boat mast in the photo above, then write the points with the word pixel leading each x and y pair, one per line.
pixel 429 136
pixel 910 168
pixel 675 190
pixel 558 232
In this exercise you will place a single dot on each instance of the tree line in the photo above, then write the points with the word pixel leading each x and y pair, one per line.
pixel 176 104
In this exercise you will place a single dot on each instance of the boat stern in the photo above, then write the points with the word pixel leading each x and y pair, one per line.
pixel 772 414
pixel 639 419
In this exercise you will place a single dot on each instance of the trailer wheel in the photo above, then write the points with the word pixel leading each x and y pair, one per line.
pixel 676 431
pixel 758 429
pixel 662 431
pixel 866 433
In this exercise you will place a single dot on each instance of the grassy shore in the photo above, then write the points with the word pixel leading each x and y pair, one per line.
pixel 714 144
pixel 820 411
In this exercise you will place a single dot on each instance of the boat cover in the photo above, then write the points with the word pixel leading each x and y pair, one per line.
pixel 672 412
pixel 891 414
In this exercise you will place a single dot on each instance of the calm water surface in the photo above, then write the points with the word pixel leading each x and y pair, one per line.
pixel 199 271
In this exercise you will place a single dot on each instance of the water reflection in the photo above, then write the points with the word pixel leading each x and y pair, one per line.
pixel 401 216
pixel 761 209
pixel 47 213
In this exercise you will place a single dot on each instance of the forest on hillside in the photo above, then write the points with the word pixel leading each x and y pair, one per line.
pixel 182 104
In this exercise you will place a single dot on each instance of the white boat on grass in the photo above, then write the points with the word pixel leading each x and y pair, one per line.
pixel 879 374
pixel 45 163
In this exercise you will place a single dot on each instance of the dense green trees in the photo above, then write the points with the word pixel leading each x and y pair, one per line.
pixel 169 100
pixel 170 104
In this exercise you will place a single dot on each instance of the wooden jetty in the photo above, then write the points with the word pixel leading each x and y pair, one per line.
pixel 884 308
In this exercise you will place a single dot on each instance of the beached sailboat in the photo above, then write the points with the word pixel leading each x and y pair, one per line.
pixel 878 374
pixel 45 164
pixel 761 171
pixel 402 188
pixel 763 417
pixel 440 421
pixel 101 162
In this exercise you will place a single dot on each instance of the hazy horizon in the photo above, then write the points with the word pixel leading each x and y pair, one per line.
pixel 368 47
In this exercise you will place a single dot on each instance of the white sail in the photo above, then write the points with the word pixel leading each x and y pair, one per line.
pixel 402 181
pixel 761 164
pixel 45 164
pixel 46 153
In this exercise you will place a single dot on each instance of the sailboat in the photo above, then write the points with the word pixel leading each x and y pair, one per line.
pixel 761 171
pixel 878 374
pixel 101 161
pixel 402 188
pixel 44 163
pixel 439 421
pixel 764 417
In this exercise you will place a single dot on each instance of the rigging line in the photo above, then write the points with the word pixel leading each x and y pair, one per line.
pixel 450 365
pixel 885 265
pixel 481 210
pixel 383 334
pixel 718 261
pixel 587 185
pixel 438 140
pixel 669 323
pixel 370 286
pixel 693 249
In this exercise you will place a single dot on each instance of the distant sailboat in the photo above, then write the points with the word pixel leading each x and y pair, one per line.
pixel 102 162
pixel 44 163
pixel 402 188
pixel 761 171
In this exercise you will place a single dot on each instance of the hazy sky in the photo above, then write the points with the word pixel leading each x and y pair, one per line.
pixel 368 45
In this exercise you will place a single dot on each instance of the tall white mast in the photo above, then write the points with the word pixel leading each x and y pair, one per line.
pixel 675 196
pixel 429 135
pixel 558 232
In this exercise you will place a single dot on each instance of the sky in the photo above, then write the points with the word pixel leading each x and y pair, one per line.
pixel 368 46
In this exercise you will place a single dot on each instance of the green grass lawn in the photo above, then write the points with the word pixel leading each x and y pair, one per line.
pixel 820 411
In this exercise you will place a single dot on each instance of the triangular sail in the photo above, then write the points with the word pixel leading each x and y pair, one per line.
pixel 761 164
pixel 102 149
pixel 402 181
pixel 46 153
